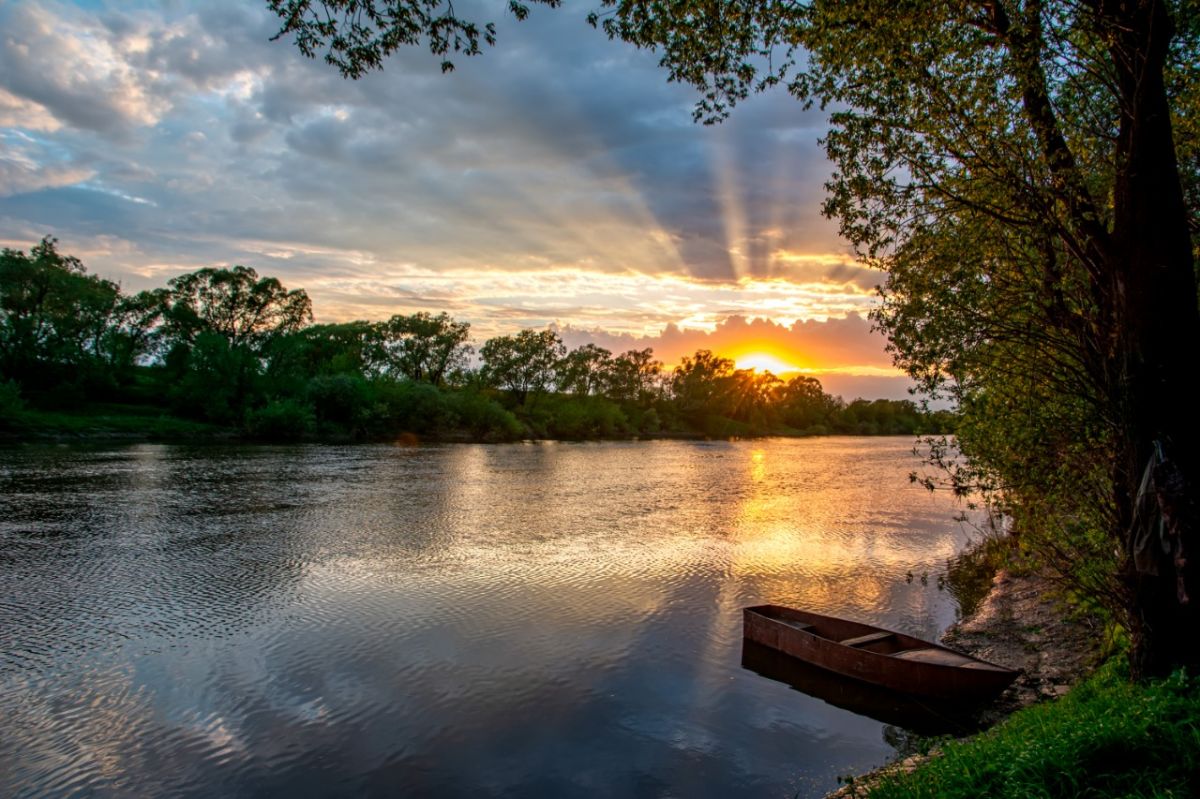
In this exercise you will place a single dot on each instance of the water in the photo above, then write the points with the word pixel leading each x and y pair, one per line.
pixel 474 621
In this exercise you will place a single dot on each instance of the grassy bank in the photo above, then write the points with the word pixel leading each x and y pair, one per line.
pixel 1107 738
pixel 454 416
pixel 108 421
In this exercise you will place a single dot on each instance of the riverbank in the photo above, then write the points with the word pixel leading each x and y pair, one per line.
pixel 120 423
pixel 1021 623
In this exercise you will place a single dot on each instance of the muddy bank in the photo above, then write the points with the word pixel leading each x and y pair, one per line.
pixel 1021 623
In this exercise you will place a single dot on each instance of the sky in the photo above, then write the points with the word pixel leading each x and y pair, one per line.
pixel 557 179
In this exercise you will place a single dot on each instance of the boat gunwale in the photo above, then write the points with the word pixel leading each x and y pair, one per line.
pixel 826 649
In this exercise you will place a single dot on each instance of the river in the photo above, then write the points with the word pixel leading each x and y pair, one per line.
pixel 538 619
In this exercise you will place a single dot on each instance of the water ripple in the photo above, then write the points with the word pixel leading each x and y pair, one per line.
pixel 442 621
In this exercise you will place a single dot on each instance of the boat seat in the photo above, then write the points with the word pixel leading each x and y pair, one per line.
pixel 863 640
pixel 799 625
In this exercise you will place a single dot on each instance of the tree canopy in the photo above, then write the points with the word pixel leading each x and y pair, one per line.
pixel 226 348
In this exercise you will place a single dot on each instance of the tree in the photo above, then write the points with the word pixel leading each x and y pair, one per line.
pixel 1026 173
pixel 752 397
pixel 294 360
pixel 585 370
pixel 53 315
pixel 420 347
pixel 523 364
pixel 131 331
pixel 217 328
pixel 634 376
pixel 803 403
pixel 700 385
pixel 234 303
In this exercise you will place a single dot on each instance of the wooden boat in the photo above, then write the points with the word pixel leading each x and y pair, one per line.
pixel 881 657
pixel 921 715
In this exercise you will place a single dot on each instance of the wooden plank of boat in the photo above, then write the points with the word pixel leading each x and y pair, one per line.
pixel 881 657
pixel 920 714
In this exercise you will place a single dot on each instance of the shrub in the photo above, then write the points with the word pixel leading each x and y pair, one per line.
pixel 587 417
pixel 405 406
pixel 281 420
pixel 11 404
pixel 341 399
pixel 484 418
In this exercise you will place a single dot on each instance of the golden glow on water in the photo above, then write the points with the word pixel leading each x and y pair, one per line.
pixel 528 593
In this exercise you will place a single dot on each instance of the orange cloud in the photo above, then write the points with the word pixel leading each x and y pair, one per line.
pixel 843 345
pixel 843 353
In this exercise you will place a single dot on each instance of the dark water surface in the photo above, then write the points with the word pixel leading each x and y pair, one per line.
pixel 448 621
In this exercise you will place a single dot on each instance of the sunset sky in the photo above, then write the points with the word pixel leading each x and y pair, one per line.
pixel 556 179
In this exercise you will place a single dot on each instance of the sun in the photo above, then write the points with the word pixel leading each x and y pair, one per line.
pixel 762 362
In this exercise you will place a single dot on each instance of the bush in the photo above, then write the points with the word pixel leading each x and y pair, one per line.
pixel 341 400
pixel 484 418
pixel 281 420
pixel 643 420
pixel 405 406
pixel 11 404
pixel 587 417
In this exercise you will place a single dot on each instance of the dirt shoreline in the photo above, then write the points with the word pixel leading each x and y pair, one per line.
pixel 1022 624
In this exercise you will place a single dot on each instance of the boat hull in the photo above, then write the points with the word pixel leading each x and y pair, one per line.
pixel 883 661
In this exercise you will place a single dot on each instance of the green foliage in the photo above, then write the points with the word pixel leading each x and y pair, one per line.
pixel 213 379
pixel 235 304
pixel 484 418
pixel 585 370
pixel 1109 737
pixel 803 404
pixel 525 364
pixel 587 418
pixel 880 417
pixel 341 401
pixel 355 36
pixel 11 404
pixel 280 420
pixel 53 316
pixel 634 376
pixel 218 326
pixel 116 420
pixel 701 387
pixel 235 351
pixel 316 350
pixel 405 406
pixel 419 347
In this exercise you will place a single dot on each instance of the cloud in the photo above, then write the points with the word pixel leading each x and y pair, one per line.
pixel 844 344
pixel 18 112
pixel 557 178
pixel 25 166
pixel 64 66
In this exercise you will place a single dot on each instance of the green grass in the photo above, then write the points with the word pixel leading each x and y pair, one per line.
pixel 110 420
pixel 1107 738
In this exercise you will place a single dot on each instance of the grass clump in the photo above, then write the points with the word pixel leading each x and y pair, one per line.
pixel 1108 738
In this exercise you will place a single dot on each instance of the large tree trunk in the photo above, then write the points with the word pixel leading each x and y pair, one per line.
pixel 1157 328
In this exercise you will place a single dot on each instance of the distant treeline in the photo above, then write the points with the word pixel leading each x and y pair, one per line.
pixel 234 350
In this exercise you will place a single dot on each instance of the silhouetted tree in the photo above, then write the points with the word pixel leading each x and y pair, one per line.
pixel 585 370
pixel 523 364
pixel 53 316
pixel 420 347
pixel 634 376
